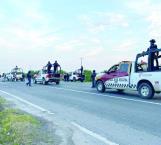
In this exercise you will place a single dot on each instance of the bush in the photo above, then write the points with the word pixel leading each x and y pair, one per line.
pixel 87 74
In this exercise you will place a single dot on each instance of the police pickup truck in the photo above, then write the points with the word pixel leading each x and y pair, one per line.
pixel 44 77
pixel 134 76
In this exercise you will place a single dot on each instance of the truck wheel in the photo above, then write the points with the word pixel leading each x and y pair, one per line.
pixel 35 82
pixel 74 79
pixel 82 80
pixel 100 86
pixel 146 91
pixel 44 82
pixel 57 83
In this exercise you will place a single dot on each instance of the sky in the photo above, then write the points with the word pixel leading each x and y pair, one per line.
pixel 101 32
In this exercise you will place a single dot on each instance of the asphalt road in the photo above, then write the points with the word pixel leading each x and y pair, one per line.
pixel 108 118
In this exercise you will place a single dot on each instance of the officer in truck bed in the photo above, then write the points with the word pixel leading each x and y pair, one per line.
pixel 152 56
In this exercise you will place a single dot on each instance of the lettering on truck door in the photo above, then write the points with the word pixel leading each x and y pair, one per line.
pixel 123 76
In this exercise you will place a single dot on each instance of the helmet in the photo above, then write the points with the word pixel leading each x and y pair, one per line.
pixel 152 41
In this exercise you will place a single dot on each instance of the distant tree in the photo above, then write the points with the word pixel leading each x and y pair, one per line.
pixel 63 72
pixel 87 74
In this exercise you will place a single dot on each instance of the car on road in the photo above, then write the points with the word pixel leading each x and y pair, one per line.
pixel 129 75
pixel 76 76
pixel 9 77
pixel 44 77
pixel 18 74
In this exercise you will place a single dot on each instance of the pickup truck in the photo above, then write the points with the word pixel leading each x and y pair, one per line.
pixel 75 76
pixel 134 76
pixel 18 74
pixel 44 77
pixel 9 77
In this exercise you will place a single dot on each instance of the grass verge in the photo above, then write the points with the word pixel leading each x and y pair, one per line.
pixel 20 128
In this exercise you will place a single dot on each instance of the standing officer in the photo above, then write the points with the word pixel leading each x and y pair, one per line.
pixel 152 55
pixel 56 65
pixel 29 78
pixel 81 69
pixel 93 76
pixel 49 66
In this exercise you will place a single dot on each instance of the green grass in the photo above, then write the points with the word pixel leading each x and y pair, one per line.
pixel 19 128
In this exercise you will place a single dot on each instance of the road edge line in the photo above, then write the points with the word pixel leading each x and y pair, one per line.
pixel 93 134
pixel 27 102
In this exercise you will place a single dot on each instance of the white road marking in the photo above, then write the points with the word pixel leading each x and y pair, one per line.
pixel 95 135
pixel 27 102
pixel 110 96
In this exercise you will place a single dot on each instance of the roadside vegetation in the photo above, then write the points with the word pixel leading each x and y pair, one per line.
pixel 87 74
pixel 17 127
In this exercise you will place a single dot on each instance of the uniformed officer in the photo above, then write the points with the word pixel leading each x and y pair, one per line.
pixel 152 55
pixel 29 77
pixel 49 66
pixel 93 76
pixel 81 69
pixel 56 65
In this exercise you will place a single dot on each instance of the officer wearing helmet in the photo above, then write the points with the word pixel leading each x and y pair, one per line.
pixel 152 55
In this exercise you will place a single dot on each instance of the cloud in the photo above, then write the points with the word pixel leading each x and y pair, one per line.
pixel 154 20
pixel 125 46
pixel 101 21
pixel 139 7
pixel 150 13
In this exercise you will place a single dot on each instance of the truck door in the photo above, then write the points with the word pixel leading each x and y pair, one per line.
pixel 123 75
pixel 39 76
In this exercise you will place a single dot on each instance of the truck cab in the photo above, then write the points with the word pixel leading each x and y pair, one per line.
pixel 134 76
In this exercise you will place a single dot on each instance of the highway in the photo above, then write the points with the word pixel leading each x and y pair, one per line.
pixel 104 119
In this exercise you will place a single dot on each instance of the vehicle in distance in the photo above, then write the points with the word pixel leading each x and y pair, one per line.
pixel 18 74
pixel 76 76
pixel 128 75
pixel 9 77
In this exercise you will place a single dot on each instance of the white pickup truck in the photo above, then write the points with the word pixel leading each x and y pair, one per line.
pixel 44 77
pixel 76 76
pixel 18 74
pixel 128 75
pixel 9 77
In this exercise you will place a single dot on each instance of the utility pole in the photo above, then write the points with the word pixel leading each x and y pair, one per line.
pixel 81 60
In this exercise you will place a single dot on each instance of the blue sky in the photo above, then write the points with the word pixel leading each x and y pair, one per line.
pixel 103 32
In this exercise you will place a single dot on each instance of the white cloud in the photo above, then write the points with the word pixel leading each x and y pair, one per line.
pixel 139 7
pixel 100 21
pixel 150 12
pixel 125 46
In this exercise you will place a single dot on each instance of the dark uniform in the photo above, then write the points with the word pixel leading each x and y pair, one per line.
pixel 49 66
pixel 152 56
pixel 81 69
pixel 56 65
pixel 29 78
pixel 93 76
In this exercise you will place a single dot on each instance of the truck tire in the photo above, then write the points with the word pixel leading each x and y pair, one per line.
pixel 44 82
pixel 100 86
pixel 35 82
pixel 57 83
pixel 74 79
pixel 146 91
